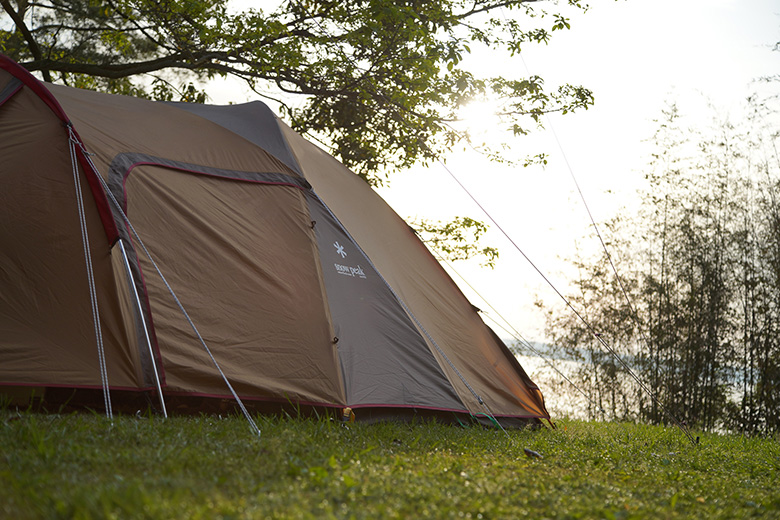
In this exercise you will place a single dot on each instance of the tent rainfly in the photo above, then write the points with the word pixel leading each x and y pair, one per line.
pixel 179 255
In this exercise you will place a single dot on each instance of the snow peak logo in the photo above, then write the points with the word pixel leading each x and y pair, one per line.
pixel 347 270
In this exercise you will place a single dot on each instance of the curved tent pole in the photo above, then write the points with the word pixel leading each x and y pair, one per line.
pixel 143 324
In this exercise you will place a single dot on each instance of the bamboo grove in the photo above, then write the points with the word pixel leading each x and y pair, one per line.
pixel 700 264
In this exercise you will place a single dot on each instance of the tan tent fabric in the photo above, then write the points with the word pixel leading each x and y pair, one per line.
pixel 235 209
pixel 46 329
pixel 241 259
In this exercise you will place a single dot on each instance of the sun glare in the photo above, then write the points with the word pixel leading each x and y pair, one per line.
pixel 479 117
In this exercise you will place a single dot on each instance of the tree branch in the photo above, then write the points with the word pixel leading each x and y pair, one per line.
pixel 484 8
pixel 96 29
pixel 108 71
pixel 31 43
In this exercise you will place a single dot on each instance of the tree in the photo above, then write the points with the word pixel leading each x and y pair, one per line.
pixel 380 81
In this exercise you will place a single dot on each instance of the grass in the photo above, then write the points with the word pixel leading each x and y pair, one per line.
pixel 80 466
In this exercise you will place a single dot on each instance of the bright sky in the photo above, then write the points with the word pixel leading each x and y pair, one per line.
pixel 635 55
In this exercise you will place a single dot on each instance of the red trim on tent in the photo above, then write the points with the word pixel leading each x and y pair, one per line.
pixel 43 93
pixel 439 409
pixel 409 406
pixel 81 387
pixel 252 398
pixel 277 400
pixel 354 407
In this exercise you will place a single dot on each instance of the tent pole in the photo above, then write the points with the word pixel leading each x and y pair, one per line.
pixel 143 323
pixel 90 276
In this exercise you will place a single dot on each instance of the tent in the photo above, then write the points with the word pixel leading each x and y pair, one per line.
pixel 185 254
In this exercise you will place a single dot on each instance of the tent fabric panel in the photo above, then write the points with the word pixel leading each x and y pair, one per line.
pixel 121 167
pixel 467 342
pixel 450 321
pixel 111 125
pixel 384 359
pixel 253 121
pixel 46 328
pixel 240 257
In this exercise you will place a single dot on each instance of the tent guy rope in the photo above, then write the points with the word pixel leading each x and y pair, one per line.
pixel 410 313
pixel 631 307
pixel 514 332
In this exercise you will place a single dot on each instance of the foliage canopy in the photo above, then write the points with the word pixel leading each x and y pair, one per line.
pixel 381 81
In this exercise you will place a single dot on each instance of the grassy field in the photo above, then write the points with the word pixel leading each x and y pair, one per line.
pixel 79 466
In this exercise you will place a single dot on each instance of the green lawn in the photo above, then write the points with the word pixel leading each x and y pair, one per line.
pixel 79 466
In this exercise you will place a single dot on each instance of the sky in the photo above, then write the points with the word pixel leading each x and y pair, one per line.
pixel 635 55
